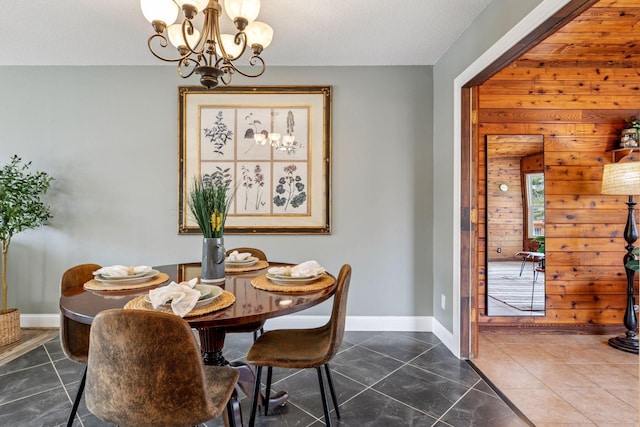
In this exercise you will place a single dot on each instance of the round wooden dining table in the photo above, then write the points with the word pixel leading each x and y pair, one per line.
pixel 252 307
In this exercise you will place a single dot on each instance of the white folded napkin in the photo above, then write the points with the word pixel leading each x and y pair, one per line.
pixel 306 269
pixel 122 270
pixel 236 256
pixel 182 295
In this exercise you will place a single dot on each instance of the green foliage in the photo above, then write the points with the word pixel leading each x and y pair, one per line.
pixel 634 264
pixel 21 206
pixel 540 241
pixel 209 202
pixel 632 123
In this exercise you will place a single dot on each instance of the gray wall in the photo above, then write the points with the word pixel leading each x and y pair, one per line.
pixel 495 21
pixel 109 137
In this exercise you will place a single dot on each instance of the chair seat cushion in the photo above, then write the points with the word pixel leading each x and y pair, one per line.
pixel 291 348
pixel 220 383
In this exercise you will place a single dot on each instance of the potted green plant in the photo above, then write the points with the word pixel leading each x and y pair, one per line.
pixel 21 208
pixel 210 197
pixel 634 264
pixel 540 241
pixel 630 134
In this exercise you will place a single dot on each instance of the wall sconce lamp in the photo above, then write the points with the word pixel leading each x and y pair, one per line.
pixel 623 179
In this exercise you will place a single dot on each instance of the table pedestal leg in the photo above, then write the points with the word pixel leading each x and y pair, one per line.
pixel 211 345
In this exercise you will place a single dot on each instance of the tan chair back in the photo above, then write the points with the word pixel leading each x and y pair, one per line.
pixel 74 336
pixel 339 312
pixel 253 251
pixel 145 369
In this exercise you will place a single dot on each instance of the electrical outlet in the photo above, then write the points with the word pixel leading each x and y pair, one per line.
pixel 499 250
pixel 443 301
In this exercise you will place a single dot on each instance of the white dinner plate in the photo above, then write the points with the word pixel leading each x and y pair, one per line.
pixel 244 263
pixel 114 278
pixel 208 293
pixel 288 280
pixel 128 280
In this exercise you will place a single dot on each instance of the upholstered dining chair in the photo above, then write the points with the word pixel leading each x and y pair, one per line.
pixel 74 336
pixel 258 326
pixel 303 348
pixel 145 369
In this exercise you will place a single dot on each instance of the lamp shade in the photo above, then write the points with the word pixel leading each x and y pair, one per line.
pixel 159 10
pixel 247 9
pixel 621 179
pixel 259 33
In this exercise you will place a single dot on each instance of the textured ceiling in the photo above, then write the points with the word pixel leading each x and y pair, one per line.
pixel 307 32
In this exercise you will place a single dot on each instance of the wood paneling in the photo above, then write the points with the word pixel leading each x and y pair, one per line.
pixel 575 88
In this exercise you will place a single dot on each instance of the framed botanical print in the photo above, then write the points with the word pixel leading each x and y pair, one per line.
pixel 272 145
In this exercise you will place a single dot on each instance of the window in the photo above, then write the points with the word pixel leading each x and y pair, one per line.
pixel 535 204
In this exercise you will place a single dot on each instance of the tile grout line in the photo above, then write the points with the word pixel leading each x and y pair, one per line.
pixel 457 401
pixel 64 387
pixel 404 364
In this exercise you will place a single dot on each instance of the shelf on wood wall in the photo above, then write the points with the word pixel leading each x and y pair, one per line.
pixel 619 153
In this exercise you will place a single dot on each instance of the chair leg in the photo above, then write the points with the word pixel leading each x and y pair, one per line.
pixel 332 390
pixel 255 334
pixel 533 288
pixel 256 396
pixel 231 415
pixel 267 392
pixel 325 405
pixel 524 259
pixel 76 402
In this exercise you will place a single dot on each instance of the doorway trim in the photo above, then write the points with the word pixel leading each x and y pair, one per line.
pixel 545 19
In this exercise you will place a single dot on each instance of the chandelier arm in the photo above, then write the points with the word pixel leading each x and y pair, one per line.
pixel 227 73
pixel 163 43
pixel 184 64
pixel 187 25
pixel 254 61
pixel 238 39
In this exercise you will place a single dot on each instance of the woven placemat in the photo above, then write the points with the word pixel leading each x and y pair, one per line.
pixel 257 266
pixel 223 301
pixel 96 285
pixel 261 282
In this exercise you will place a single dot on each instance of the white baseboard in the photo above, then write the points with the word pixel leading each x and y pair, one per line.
pixel 446 337
pixel 353 323
pixel 39 320
pixel 357 323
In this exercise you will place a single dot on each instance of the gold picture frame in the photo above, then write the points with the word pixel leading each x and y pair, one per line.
pixel 284 190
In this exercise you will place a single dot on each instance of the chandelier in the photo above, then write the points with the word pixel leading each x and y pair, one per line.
pixel 206 51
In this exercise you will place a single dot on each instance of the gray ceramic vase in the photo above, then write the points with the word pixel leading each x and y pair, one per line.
pixel 213 255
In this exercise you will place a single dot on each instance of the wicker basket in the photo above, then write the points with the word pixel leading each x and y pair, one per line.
pixel 9 326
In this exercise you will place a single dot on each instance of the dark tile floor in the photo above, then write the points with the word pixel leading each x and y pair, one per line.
pixel 381 378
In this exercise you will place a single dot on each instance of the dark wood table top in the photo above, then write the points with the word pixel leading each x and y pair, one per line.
pixel 252 305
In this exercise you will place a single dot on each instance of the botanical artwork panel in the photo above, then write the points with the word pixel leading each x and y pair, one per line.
pixel 290 188
pixel 276 190
pixel 253 195
pixel 292 121
pixel 250 122
pixel 217 133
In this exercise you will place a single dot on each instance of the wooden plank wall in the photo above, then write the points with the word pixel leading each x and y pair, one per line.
pixel 505 209
pixel 580 112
